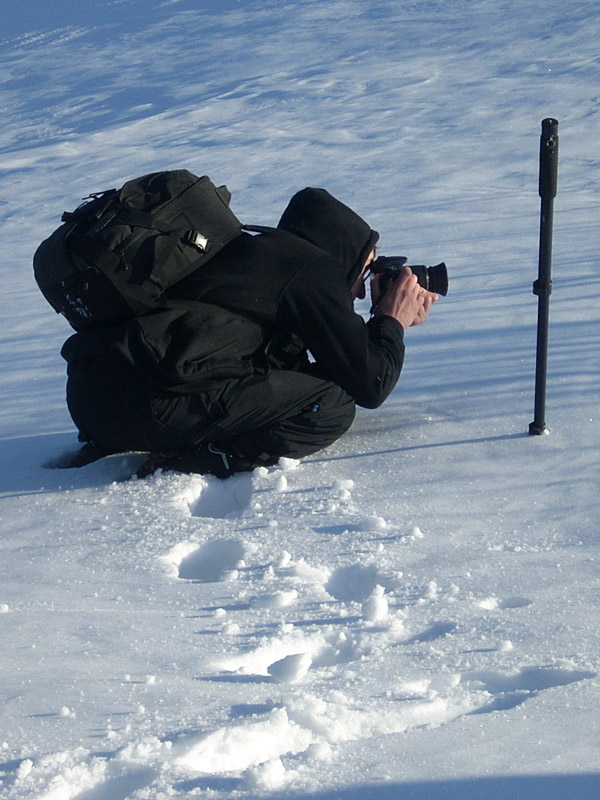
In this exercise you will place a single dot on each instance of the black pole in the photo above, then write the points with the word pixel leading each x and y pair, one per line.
pixel 542 287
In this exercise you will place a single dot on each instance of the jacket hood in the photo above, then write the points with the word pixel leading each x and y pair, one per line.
pixel 321 219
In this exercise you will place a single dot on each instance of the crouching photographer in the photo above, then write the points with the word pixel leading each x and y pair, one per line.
pixel 258 354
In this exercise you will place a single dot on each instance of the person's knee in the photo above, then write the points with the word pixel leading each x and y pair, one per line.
pixel 336 411
pixel 321 424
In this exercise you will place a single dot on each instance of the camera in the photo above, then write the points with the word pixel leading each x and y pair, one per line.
pixel 434 279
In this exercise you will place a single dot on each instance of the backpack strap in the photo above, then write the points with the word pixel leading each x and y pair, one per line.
pixel 259 228
pixel 93 207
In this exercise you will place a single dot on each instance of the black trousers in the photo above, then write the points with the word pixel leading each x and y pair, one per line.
pixel 261 417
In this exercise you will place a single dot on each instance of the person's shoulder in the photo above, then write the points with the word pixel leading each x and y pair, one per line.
pixel 287 242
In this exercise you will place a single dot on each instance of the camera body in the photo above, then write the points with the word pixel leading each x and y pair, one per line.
pixel 434 279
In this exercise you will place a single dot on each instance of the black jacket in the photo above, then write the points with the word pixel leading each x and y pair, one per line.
pixel 292 285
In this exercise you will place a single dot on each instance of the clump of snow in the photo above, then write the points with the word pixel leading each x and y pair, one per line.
pixel 375 607
pixel 343 485
pixel 372 522
pixel 354 582
pixel 505 646
pixel 290 669
pixel 289 464
pixel 431 590
pixel 269 776
pixel 281 484
pixel 284 560
pixel 488 603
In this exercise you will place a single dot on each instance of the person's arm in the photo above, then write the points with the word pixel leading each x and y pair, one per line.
pixel 364 359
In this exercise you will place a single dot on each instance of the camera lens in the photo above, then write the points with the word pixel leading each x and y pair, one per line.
pixel 434 279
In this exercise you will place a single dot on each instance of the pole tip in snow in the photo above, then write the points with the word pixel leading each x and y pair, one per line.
pixel 538 429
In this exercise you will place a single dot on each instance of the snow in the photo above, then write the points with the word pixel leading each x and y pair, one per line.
pixel 413 612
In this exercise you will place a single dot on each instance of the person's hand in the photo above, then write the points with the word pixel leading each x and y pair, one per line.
pixel 405 300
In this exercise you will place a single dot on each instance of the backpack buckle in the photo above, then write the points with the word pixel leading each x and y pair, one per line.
pixel 196 240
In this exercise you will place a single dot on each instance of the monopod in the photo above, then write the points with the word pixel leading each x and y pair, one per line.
pixel 542 287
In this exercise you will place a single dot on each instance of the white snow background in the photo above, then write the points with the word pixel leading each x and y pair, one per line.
pixel 413 613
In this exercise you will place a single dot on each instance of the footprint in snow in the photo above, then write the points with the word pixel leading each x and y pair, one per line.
pixel 511 690
pixel 222 499
pixel 493 603
pixel 515 602
pixel 436 631
pixel 212 561
pixel 527 679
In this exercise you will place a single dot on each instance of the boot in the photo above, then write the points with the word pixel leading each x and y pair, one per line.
pixel 206 460
pixel 87 454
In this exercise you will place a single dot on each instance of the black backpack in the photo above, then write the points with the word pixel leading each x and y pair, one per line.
pixel 116 255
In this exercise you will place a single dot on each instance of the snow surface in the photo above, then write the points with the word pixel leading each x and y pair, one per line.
pixel 412 613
